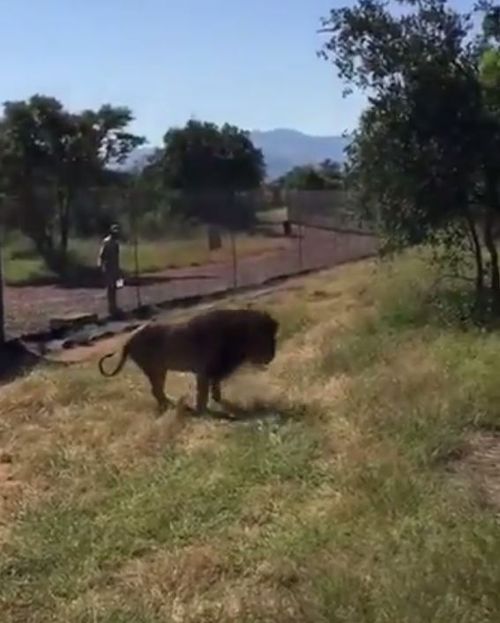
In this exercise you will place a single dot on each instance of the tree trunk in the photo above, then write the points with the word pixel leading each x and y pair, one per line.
pixel 33 222
pixel 63 206
pixel 64 237
pixel 492 210
pixel 478 256
pixel 489 241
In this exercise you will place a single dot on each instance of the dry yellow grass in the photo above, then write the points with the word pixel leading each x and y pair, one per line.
pixel 329 497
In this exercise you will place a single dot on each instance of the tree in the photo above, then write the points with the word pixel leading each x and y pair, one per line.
pixel 24 169
pixel 326 176
pixel 426 157
pixel 48 155
pixel 94 140
pixel 202 156
pixel 332 170
pixel 203 159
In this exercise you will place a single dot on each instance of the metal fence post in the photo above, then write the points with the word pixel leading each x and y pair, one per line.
pixel 135 241
pixel 300 232
pixel 235 259
pixel 2 306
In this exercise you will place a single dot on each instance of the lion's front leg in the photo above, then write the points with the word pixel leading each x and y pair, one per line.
pixel 202 388
pixel 216 392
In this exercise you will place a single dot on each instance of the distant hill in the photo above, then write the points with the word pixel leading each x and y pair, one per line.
pixel 283 149
pixel 137 160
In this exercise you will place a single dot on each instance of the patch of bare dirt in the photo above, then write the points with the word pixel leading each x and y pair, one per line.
pixel 479 468
pixel 9 493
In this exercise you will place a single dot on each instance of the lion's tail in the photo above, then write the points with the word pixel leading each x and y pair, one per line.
pixel 124 354
pixel 121 363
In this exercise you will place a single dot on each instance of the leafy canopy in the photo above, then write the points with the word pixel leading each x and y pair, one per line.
pixel 426 157
pixel 202 156
pixel 49 155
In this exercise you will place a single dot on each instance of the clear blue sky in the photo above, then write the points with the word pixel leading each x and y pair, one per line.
pixel 248 62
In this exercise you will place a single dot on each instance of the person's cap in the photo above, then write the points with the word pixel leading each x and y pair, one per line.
pixel 115 228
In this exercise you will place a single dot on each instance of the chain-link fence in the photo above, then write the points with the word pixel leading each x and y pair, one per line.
pixel 326 209
pixel 166 254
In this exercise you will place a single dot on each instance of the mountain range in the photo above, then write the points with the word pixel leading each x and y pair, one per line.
pixel 283 149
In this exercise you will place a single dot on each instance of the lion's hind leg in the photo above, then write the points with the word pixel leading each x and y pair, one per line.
pixel 157 378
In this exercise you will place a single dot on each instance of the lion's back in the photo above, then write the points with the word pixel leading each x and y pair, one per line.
pixel 214 342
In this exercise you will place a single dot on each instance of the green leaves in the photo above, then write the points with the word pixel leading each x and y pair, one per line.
pixel 428 144
pixel 328 175
pixel 211 167
pixel 202 156
pixel 49 154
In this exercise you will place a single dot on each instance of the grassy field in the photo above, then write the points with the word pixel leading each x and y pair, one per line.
pixel 349 490
pixel 23 266
pixel 274 215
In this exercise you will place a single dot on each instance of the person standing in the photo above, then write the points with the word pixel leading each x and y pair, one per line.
pixel 109 263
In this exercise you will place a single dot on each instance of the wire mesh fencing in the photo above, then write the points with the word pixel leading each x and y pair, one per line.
pixel 167 253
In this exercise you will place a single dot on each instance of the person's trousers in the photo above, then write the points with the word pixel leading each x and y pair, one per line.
pixel 110 285
pixel 111 293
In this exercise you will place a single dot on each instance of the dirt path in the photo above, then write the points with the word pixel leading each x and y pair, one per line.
pixel 30 308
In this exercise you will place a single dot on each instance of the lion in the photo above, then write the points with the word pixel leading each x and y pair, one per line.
pixel 211 345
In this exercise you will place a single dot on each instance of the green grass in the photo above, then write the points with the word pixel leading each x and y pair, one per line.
pixel 66 548
pixel 273 215
pixel 338 498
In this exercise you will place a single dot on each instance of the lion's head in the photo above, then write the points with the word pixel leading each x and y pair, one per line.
pixel 262 339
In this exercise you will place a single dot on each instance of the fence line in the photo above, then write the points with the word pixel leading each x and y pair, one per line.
pixel 328 209
pixel 164 260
